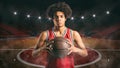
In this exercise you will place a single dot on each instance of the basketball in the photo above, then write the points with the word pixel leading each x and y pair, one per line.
pixel 58 47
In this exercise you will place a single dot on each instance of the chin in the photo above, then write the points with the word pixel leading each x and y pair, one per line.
pixel 59 26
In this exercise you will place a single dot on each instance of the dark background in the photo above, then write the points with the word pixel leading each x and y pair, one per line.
pixel 36 8
pixel 17 32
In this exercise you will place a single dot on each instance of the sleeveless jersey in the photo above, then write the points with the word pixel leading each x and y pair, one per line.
pixel 65 62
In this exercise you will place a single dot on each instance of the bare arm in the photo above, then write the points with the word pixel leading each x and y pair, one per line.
pixel 80 49
pixel 40 45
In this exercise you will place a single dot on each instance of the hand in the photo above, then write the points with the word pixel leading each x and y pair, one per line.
pixel 72 48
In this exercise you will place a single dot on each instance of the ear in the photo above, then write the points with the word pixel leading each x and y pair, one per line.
pixel 65 19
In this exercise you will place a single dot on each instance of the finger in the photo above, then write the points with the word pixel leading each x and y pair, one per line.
pixel 68 40
pixel 69 52
pixel 69 49
pixel 69 43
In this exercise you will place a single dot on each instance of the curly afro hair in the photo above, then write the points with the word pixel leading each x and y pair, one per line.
pixel 60 6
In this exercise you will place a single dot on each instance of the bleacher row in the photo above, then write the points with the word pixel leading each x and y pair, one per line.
pixel 113 31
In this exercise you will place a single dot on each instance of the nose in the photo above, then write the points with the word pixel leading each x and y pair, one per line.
pixel 58 18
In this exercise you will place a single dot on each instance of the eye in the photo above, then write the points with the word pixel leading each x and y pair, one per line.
pixel 61 16
pixel 55 16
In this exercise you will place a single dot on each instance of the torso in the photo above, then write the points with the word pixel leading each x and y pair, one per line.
pixel 66 62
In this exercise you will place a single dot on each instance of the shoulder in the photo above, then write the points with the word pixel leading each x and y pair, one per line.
pixel 43 34
pixel 75 33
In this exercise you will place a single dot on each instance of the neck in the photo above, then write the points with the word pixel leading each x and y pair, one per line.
pixel 56 28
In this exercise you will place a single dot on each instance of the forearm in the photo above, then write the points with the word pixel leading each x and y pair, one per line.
pixel 82 52
pixel 36 52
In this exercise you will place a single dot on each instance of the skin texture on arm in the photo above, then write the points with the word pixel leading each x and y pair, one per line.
pixel 80 49
pixel 40 44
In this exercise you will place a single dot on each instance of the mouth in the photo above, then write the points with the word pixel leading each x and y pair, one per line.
pixel 58 23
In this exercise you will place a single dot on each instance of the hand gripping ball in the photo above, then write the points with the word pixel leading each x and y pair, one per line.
pixel 58 47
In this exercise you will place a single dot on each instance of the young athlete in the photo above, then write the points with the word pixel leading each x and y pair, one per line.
pixel 59 12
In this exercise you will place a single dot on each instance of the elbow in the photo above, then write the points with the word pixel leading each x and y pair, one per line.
pixel 85 53
pixel 33 53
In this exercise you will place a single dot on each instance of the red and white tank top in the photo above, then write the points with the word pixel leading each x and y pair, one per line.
pixel 66 62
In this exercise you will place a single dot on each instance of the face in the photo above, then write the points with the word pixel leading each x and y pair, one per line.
pixel 59 19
